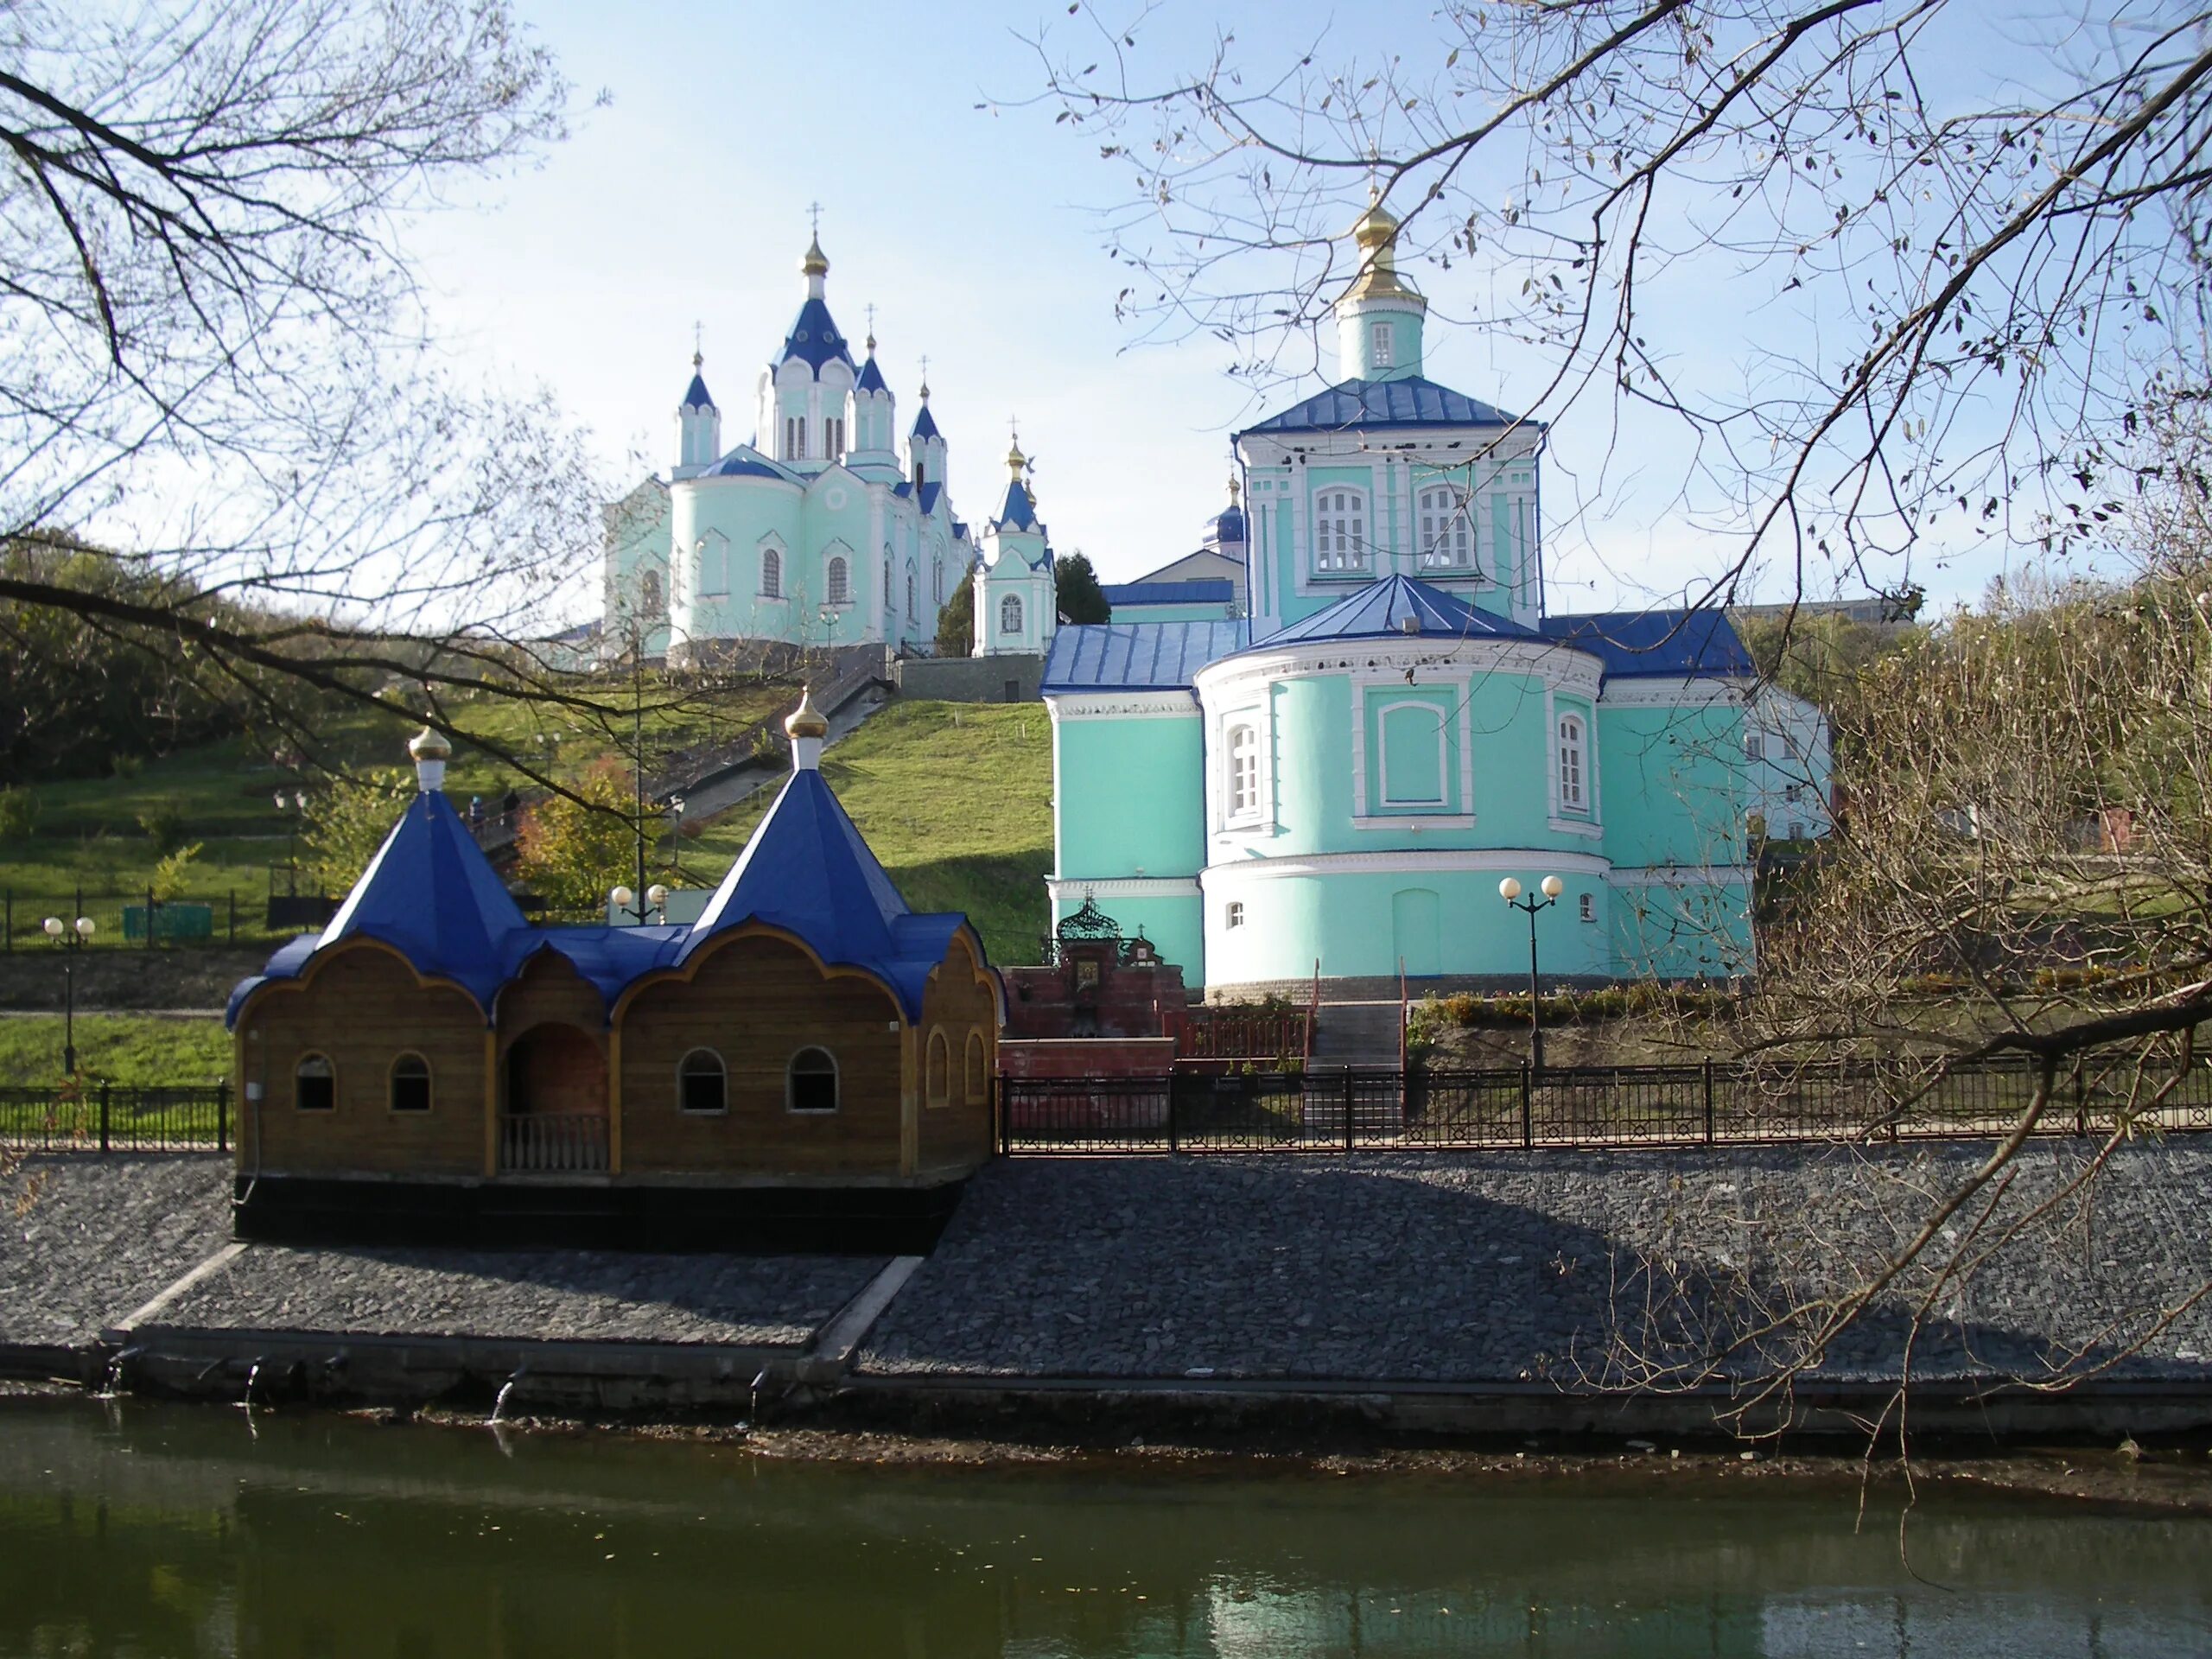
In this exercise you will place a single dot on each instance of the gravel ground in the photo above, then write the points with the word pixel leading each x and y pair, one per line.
pixel 548 1296
pixel 1565 1266
pixel 87 1240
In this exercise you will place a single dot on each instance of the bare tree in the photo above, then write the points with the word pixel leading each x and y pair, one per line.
pixel 1899 273
pixel 215 363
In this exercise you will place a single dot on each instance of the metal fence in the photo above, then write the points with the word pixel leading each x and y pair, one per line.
pixel 110 1117
pixel 136 920
pixel 1582 1106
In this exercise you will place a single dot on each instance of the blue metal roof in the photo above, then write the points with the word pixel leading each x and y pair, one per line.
pixel 1199 590
pixel 1136 657
pixel 1381 609
pixel 1410 401
pixel 1019 510
pixel 696 396
pixel 807 871
pixel 925 423
pixel 871 376
pixel 814 339
pixel 1228 526
pixel 430 895
pixel 1675 644
pixel 749 463
pixel 926 497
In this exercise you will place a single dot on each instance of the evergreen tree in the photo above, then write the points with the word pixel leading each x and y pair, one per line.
pixel 1079 597
pixel 955 622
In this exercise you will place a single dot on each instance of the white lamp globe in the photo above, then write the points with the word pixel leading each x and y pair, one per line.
pixel 1553 886
pixel 655 895
pixel 53 925
pixel 1508 889
pixel 623 897
pixel 84 927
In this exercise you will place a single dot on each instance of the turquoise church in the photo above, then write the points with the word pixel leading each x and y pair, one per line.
pixel 1338 778
pixel 827 527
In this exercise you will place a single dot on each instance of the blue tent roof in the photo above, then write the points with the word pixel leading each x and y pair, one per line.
pixel 1410 401
pixel 807 870
pixel 871 376
pixel 696 396
pixel 1019 510
pixel 1136 657
pixel 926 497
pixel 1198 590
pixel 749 463
pixel 1228 526
pixel 1675 644
pixel 925 423
pixel 1380 610
pixel 814 339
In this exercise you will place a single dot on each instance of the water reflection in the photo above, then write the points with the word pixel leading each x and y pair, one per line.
pixel 171 1532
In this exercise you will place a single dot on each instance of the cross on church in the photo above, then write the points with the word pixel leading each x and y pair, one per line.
pixel 814 214
pixel 870 309
pixel 698 331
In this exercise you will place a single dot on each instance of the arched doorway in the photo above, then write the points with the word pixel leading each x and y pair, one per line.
pixel 553 1104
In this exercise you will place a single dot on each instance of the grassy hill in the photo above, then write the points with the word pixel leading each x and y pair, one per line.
pixel 957 800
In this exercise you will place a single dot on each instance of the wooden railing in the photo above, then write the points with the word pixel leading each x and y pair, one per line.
pixel 553 1143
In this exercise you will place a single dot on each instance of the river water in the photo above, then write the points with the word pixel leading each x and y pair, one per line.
pixel 131 1530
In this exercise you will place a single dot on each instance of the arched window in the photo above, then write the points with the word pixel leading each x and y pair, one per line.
pixel 1233 916
pixel 936 1073
pixel 1340 530
pixel 410 1083
pixel 833 437
pixel 1010 613
pixel 649 592
pixel 1378 336
pixel 978 1079
pixel 913 590
pixel 701 1082
pixel 772 574
pixel 936 582
pixel 840 583
pixel 1447 530
pixel 811 1083
pixel 315 1084
pixel 887 599
pixel 1571 796
pixel 1243 746
pixel 794 437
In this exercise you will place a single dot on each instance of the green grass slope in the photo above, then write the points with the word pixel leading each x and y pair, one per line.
pixel 957 800
pixel 125 1048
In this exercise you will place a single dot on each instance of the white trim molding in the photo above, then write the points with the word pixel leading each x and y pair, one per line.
pixel 1453 656
pixel 1074 887
pixel 1122 705
pixel 1701 692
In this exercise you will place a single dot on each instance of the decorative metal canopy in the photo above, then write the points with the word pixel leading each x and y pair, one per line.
pixel 1090 922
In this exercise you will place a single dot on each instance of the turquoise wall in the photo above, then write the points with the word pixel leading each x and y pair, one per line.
pixel 1128 797
pixel 1682 932
pixel 1673 785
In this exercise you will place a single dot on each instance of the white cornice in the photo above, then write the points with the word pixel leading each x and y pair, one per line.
pixel 1120 887
pixel 1700 692
pixel 1473 860
pixel 1446 655
pixel 1122 705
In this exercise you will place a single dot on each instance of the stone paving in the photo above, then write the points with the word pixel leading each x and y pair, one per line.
pixel 1521 1267
pixel 541 1296
pixel 85 1241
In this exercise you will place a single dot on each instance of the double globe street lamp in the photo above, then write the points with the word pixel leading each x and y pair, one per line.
pixel 69 937
pixel 624 901
pixel 1510 890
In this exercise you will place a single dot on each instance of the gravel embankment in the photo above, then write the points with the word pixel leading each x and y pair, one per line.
pixel 85 1241
pixel 1562 1265
pixel 536 1295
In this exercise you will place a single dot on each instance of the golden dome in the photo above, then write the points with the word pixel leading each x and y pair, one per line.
pixel 816 262
pixel 1015 459
pixel 1377 233
pixel 427 745
pixel 806 719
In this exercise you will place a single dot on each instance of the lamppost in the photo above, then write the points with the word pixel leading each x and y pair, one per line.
pixel 293 809
pixel 1510 890
pixel 626 903
pixel 69 939
pixel 676 836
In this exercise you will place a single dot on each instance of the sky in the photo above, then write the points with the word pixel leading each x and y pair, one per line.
pixel 704 134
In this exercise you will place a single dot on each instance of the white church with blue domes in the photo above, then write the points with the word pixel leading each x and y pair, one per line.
pixel 824 528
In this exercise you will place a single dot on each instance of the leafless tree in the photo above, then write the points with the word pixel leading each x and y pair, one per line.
pixel 215 362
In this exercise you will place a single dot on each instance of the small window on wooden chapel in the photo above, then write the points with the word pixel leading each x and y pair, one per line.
pixel 978 1080
pixel 703 1083
pixel 411 1083
pixel 937 1074
pixel 813 1081
pixel 315 1084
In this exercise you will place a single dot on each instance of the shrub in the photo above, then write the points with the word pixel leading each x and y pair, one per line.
pixel 164 826
pixel 18 811
pixel 169 876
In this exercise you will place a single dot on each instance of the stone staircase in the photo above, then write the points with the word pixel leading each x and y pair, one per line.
pixel 1361 1036
pixel 1357 1034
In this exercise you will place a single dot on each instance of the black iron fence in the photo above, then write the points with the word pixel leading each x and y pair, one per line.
pixel 1583 1106
pixel 111 1117
pixel 131 920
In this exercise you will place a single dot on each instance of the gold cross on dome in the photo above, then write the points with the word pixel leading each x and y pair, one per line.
pixel 814 216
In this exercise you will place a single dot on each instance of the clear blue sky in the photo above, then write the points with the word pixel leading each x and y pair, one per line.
pixel 974 231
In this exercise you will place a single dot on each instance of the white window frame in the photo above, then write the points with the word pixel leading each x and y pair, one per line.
pixel 1380 343
pixel 1259 813
pixel 1341 546
pixel 682 1108
pixel 1232 914
pixel 772 571
pixel 1588 907
pixel 837 580
pixel 1240 750
pixel 1446 527
pixel 833 438
pixel 836 1082
pixel 1585 819
pixel 1011 618
pixel 1372 692
pixel 890 600
pixel 1571 751
pixel 1441 802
